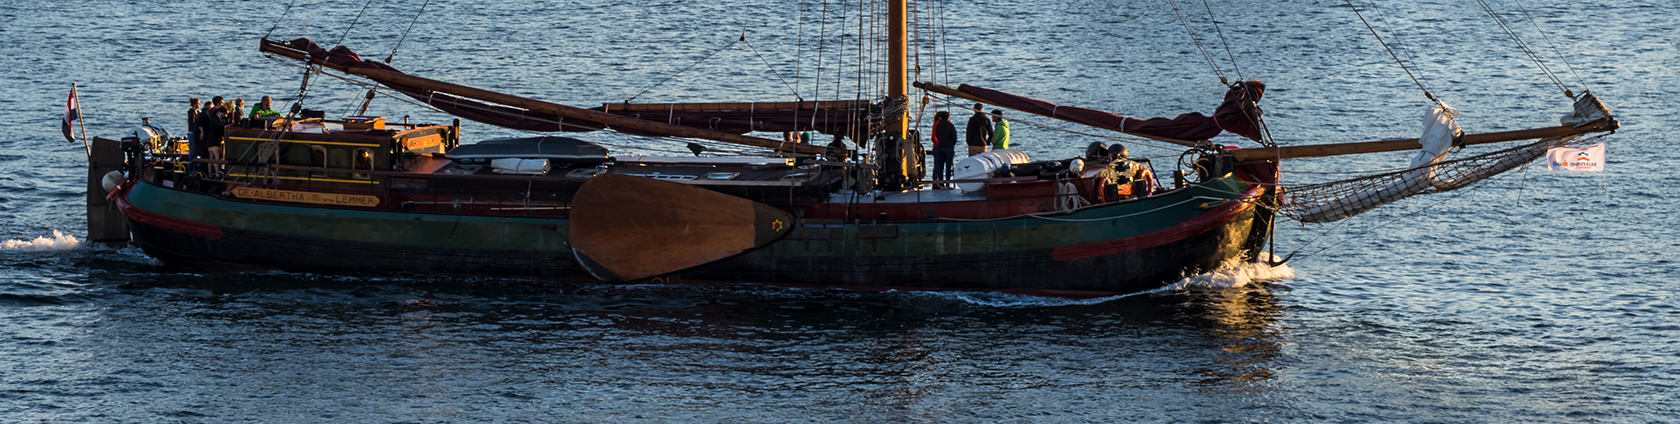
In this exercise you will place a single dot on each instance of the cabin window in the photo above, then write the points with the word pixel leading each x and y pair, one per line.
pixel 318 159
pixel 361 159
pixel 296 155
pixel 238 151
pixel 338 158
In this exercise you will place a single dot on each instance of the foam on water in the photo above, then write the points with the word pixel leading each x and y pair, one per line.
pixel 1235 273
pixel 59 241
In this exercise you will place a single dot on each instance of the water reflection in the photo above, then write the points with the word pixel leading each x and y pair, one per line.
pixel 1241 322
pixel 680 353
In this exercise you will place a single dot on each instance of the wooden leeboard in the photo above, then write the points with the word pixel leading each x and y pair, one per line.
pixel 636 228
pixel 335 199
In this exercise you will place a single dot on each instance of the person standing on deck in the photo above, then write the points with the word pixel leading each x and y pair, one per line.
pixel 238 115
pixel 944 147
pixel 979 131
pixel 212 125
pixel 1000 133
pixel 192 124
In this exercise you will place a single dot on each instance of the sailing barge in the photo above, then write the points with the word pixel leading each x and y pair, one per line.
pixel 364 195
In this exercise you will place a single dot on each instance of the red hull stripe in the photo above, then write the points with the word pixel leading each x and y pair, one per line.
pixel 1186 229
pixel 165 222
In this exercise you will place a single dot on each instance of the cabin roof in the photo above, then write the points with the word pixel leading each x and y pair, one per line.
pixel 545 147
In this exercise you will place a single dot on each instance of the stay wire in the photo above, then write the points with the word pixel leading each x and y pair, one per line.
pixel 1198 41
pixel 1399 41
pixel 1555 50
pixel 405 32
pixel 281 18
pixel 1391 51
pixel 772 67
pixel 798 45
pixel 1227 45
pixel 686 68
pixel 1523 46
pixel 353 23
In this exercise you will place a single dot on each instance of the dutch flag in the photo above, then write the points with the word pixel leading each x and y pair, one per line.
pixel 72 111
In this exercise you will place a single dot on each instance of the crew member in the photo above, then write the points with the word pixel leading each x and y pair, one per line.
pixel 192 125
pixel 944 146
pixel 979 131
pixel 264 109
pixel 210 128
pixel 211 125
pixel 1000 133
pixel 238 115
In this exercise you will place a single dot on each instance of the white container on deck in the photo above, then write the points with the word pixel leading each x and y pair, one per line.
pixel 982 165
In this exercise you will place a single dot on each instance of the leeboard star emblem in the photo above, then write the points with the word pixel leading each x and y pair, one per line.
pixel 777 225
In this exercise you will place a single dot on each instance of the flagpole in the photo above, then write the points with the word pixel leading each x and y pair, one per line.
pixel 80 120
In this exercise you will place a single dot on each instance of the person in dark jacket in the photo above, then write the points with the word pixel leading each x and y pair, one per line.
pixel 192 124
pixel 979 131
pixel 944 147
pixel 212 126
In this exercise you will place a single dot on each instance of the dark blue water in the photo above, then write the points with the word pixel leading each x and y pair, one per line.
pixel 1535 297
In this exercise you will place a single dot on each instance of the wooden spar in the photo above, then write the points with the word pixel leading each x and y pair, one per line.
pixel 948 91
pixel 740 106
pixel 1337 149
pixel 1318 150
pixel 547 107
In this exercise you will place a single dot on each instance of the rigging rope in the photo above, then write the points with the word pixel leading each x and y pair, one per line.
pixel 1221 33
pixel 686 68
pixel 1391 51
pixel 1524 47
pixel 768 65
pixel 798 46
pixel 1555 50
pixel 405 32
pixel 1198 41
pixel 353 23
pixel 281 18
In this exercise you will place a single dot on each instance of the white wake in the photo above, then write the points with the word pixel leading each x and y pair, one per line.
pixel 59 241
pixel 1235 273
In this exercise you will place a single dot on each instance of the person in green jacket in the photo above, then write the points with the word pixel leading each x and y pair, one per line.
pixel 1000 132
pixel 264 109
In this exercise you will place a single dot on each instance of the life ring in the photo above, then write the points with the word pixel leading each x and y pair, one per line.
pixel 1144 184
pixel 1099 185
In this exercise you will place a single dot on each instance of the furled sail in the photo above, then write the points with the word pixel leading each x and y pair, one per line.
pixel 1429 173
pixel 1238 113
pixel 719 121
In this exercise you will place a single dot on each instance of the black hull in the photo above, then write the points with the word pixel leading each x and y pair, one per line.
pixel 1030 270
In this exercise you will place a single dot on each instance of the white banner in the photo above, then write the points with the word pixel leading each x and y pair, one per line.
pixel 1567 158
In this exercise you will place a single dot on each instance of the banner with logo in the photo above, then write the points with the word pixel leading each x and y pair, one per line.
pixel 1572 158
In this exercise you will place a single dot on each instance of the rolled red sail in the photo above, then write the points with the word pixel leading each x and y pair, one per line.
pixel 832 118
pixel 1236 114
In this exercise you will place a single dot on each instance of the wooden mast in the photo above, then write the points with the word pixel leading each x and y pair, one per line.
pixel 897 64
pixel 542 106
